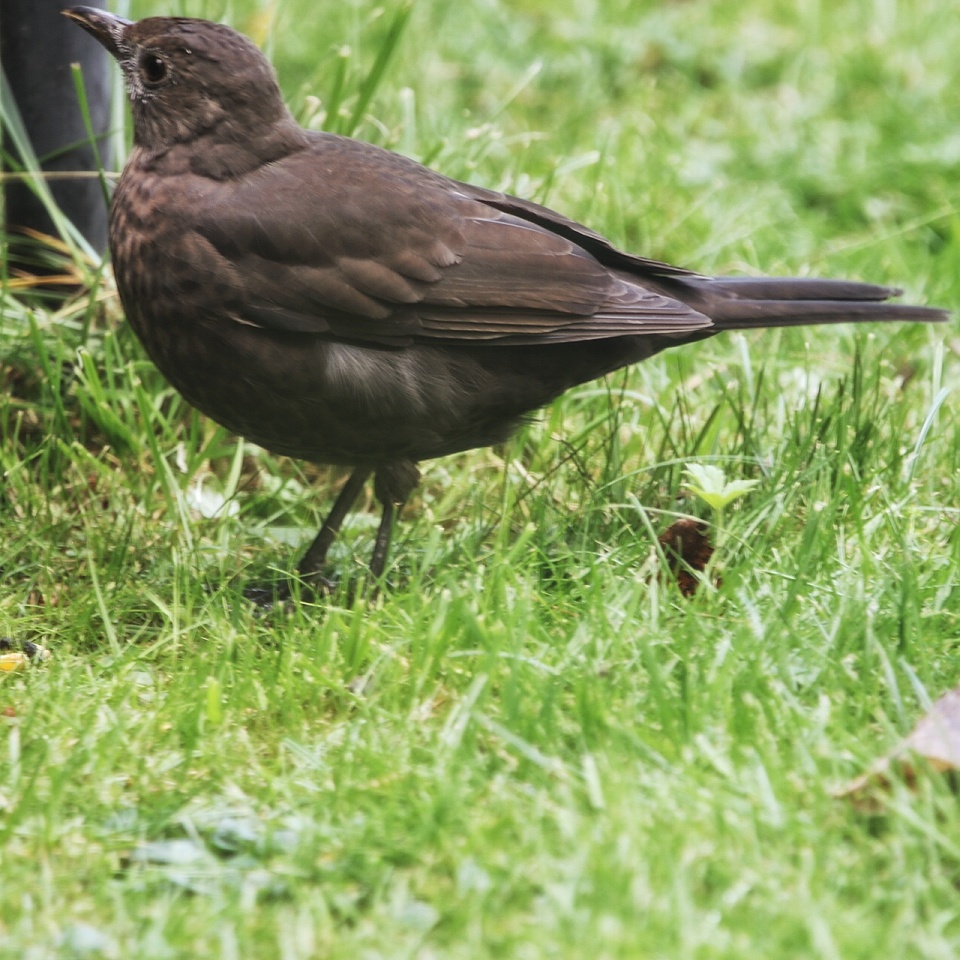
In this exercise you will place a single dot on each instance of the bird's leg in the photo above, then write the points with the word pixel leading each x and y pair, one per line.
pixel 311 564
pixel 392 485
pixel 382 545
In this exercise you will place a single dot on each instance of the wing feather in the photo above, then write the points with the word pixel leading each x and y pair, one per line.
pixel 387 251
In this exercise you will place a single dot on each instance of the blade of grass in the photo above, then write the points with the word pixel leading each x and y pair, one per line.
pixel 376 74
pixel 81 90
pixel 80 250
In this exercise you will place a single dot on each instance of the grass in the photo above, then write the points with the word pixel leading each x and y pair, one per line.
pixel 530 745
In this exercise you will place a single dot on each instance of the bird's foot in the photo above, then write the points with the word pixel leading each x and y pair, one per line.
pixel 266 596
pixel 279 593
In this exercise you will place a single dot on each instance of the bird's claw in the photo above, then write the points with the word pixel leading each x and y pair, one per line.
pixel 267 596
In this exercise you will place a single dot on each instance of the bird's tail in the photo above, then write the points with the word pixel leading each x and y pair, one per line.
pixel 738 303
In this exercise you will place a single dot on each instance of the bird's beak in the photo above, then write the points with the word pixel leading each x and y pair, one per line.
pixel 104 26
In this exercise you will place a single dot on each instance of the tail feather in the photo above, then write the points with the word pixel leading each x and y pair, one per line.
pixel 738 303
pixel 800 288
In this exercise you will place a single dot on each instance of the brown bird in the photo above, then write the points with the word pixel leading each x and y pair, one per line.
pixel 334 301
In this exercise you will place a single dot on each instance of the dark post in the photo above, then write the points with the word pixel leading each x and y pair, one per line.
pixel 37 47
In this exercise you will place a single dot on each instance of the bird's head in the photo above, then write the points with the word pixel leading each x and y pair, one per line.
pixel 188 79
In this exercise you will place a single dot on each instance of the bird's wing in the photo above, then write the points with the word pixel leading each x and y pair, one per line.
pixel 353 241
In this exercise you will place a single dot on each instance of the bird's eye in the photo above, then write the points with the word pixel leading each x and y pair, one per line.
pixel 153 68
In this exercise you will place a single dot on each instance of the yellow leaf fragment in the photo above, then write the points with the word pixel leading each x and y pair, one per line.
pixel 13 661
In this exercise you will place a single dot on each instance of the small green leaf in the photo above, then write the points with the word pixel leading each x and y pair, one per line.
pixel 710 484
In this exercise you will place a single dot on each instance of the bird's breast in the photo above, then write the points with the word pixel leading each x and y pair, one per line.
pixel 298 394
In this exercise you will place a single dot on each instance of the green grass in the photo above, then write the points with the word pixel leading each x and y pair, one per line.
pixel 530 745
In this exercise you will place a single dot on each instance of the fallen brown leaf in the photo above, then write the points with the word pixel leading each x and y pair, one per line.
pixel 686 545
pixel 935 740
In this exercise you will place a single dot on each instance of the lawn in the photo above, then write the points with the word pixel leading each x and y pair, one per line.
pixel 531 744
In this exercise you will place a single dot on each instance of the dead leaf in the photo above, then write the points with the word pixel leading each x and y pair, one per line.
pixel 935 740
pixel 906 371
pixel 686 545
